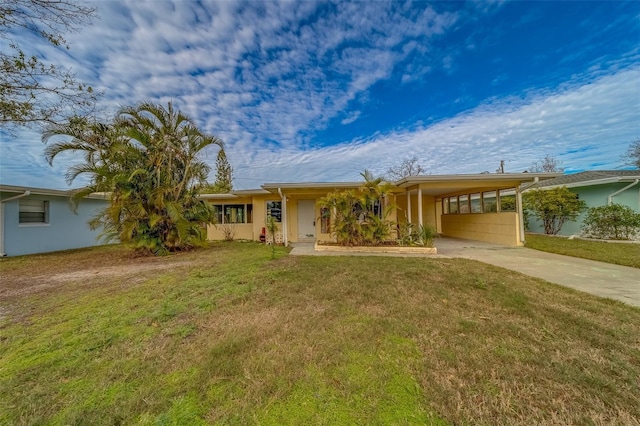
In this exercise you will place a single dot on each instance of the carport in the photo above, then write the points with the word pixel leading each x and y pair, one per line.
pixel 482 207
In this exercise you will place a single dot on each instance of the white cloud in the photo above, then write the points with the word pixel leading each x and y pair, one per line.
pixel 353 116
pixel 267 76
pixel 573 125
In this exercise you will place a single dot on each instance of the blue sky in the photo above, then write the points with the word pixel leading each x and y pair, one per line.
pixel 307 91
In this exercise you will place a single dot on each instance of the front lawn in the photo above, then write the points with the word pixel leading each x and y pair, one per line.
pixel 227 335
pixel 627 254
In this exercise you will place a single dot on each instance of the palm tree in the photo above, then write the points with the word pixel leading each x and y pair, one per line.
pixel 360 216
pixel 148 161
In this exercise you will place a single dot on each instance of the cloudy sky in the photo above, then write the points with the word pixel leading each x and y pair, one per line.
pixel 319 91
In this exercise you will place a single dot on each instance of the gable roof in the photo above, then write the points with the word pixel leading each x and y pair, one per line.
pixel 588 178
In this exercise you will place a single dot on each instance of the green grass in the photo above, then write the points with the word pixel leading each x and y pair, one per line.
pixel 626 254
pixel 227 335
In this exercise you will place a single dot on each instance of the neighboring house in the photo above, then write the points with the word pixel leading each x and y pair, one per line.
pixel 36 220
pixel 484 207
pixel 595 188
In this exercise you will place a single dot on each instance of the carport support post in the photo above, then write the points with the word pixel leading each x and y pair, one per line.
pixel 408 206
pixel 520 213
pixel 419 206
pixel 285 240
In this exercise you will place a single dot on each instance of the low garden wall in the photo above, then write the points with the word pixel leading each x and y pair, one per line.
pixel 376 249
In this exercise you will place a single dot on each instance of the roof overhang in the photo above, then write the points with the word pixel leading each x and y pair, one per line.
pixel 603 181
pixel 309 187
pixel 50 192
pixel 452 184
pixel 234 194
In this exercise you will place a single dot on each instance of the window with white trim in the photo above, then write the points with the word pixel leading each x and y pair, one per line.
pixel 274 209
pixel 33 211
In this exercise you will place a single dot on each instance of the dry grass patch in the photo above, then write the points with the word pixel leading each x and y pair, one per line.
pixel 238 338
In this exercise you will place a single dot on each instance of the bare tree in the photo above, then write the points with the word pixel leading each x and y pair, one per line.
pixel 32 91
pixel 632 156
pixel 549 164
pixel 408 167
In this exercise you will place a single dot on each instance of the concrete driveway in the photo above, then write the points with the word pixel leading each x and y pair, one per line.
pixel 602 279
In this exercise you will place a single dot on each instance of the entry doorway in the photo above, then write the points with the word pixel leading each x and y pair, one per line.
pixel 306 220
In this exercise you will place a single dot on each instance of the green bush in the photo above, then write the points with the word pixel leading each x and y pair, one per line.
pixel 360 215
pixel 553 207
pixel 615 221
pixel 409 235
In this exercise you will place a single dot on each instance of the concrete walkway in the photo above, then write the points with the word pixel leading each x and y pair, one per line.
pixel 602 279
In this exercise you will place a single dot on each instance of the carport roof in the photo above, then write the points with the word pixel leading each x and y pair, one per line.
pixel 450 184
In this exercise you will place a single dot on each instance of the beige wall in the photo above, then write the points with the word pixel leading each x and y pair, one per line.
pixel 429 213
pixel 248 231
pixel 292 217
pixel 499 228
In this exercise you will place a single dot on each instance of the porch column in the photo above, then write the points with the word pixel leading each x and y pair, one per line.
pixel 520 213
pixel 419 206
pixel 408 206
pixel 284 218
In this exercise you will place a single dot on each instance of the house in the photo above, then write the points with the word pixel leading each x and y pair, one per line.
pixel 596 188
pixel 36 220
pixel 483 207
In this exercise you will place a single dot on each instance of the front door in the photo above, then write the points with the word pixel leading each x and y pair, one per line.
pixel 306 219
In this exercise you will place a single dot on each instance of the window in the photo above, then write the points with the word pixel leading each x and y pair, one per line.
pixel 507 200
pixel 33 211
pixel 453 205
pixel 274 209
pixel 503 200
pixel 476 203
pixel 217 211
pixel 325 219
pixel 489 203
pixel 233 213
pixel 464 203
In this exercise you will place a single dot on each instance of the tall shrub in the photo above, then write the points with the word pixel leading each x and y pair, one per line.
pixel 614 221
pixel 553 207
pixel 360 215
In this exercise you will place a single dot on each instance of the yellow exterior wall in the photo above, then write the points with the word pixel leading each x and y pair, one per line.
pixel 499 228
pixel 292 217
pixel 247 231
pixel 429 214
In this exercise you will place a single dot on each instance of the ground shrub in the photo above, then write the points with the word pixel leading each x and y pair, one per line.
pixel 615 221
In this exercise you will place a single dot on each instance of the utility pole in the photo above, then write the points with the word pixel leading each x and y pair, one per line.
pixel 501 168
